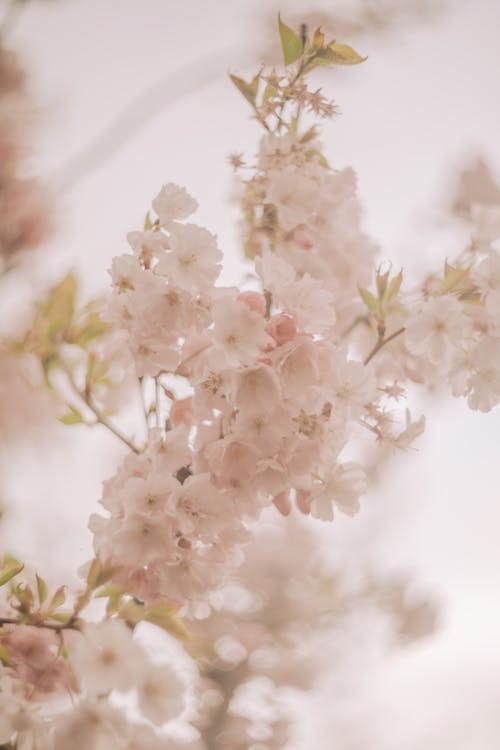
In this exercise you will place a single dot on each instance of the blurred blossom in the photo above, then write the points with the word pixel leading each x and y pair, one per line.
pixel 24 204
pixel 275 631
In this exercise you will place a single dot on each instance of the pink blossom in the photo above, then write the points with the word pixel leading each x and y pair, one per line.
pixel 255 301
pixel 342 487
pixel 310 304
pixel 484 380
pixel 193 262
pixel 239 332
pixel 353 385
pixel 97 657
pixel 282 328
pixel 437 329
pixel 181 412
pixel 147 495
pixel 161 694
pixel 200 509
pixel 256 389
pixel 173 203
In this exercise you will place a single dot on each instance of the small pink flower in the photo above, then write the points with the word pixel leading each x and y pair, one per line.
pixel 173 203
pixel 282 328
pixel 282 503
pixel 255 301
pixel 303 238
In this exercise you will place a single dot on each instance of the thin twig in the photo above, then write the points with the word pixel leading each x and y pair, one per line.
pixel 382 342
pixel 100 418
pixel 57 627
pixel 143 401
pixel 158 401
pixel 355 323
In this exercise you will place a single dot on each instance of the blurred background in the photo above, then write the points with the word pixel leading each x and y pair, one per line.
pixel 124 96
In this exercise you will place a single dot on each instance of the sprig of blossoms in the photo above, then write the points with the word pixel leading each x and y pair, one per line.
pixel 60 673
pixel 273 400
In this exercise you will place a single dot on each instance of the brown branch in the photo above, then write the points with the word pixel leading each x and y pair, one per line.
pixel 382 342
pixel 355 323
pixel 57 627
pixel 86 397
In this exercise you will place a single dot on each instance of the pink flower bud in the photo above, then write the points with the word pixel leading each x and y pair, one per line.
pixel 181 412
pixel 304 501
pixel 303 238
pixel 282 328
pixel 282 503
pixel 255 301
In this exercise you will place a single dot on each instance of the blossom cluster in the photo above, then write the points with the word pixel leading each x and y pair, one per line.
pixel 254 398
pixel 61 676
pixel 273 626
pixel 450 325
pixel 271 400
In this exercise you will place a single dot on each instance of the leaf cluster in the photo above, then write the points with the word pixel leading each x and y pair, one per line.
pixel 269 93
pixel 385 300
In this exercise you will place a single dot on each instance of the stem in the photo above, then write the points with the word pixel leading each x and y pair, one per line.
pixel 57 627
pixel 143 401
pixel 355 323
pixel 370 427
pixel 382 342
pixel 157 401
pixel 101 419
pixel 86 397
pixel 286 97
pixel 210 733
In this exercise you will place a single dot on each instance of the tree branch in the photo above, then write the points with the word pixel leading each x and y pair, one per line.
pixel 89 402
pixel 382 342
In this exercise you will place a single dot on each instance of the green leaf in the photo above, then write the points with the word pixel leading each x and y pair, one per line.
pixel 59 307
pixel 370 300
pixel 291 43
pixel 318 38
pixel 58 599
pixel 453 276
pixel 62 651
pixel 92 328
pixel 248 90
pixel 98 575
pixel 269 93
pixel 72 417
pixel 313 153
pixel 105 575
pixel 162 615
pixel 110 590
pixel 93 574
pixel 309 135
pixel 47 367
pixel 147 222
pixel 42 589
pixel 333 54
pixel 10 568
pixel 24 595
pixel 381 280
pixel 393 288
pixel 344 55
pixel 131 612
pixel 62 617
pixel 5 657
